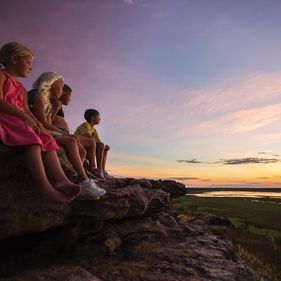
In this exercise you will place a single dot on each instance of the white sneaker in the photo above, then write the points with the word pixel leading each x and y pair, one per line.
pixel 97 187
pixel 91 189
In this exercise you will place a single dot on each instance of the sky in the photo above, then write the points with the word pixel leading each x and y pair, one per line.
pixel 188 90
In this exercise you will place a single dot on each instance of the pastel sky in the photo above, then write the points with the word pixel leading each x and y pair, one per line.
pixel 187 89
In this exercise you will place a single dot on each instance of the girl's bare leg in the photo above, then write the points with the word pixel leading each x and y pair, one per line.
pixel 36 169
pixel 62 183
pixel 82 152
pixel 90 146
pixel 71 146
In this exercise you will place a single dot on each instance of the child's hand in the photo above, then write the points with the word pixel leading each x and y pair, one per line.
pixel 41 128
pixel 38 127
pixel 30 122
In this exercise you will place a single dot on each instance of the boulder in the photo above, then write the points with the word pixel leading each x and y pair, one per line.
pixel 129 234
pixel 56 273
pixel 22 211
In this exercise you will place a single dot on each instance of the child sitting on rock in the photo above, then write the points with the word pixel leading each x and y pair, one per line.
pixel 48 87
pixel 58 114
pixel 87 130
pixel 19 127
pixel 59 121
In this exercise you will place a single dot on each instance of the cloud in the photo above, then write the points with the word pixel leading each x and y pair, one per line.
pixel 193 161
pixel 243 120
pixel 131 2
pixel 235 161
pixel 237 105
pixel 264 153
pixel 250 160
pixel 182 178
pixel 234 94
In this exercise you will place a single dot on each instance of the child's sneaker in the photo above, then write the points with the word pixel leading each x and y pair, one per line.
pixel 97 174
pixel 90 174
pixel 91 189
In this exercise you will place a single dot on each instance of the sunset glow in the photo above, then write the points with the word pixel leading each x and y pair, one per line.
pixel 187 90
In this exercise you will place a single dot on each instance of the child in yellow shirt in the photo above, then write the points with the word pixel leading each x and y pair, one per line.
pixel 87 129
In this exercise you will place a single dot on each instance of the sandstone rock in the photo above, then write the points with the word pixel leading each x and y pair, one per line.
pixel 129 234
pixel 162 249
pixel 143 249
pixel 22 210
pixel 55 273
pixel 175 189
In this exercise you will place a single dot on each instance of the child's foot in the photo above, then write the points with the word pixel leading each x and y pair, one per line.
pixel 97 173
pixel 68 188
pixel 51 195
pixel 91 189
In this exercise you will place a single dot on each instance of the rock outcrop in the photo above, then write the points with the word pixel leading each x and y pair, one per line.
pixel 129 234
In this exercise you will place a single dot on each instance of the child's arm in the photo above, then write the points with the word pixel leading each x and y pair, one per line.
pixel 26 107
pixel 41 116
pixel 56 106
pixel 6 107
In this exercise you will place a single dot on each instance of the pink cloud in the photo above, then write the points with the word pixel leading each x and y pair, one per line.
pixel 243 120
pixel 131 2
pixel 233 94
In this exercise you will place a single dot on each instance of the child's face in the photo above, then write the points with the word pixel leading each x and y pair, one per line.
pixel 96 119
pixel 56 89
pixel 65 98
pixel 23 65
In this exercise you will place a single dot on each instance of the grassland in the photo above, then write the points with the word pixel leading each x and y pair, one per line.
pixel 255 231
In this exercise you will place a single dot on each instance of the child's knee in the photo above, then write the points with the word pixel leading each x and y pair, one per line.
pixel 101 145
pixel 71 142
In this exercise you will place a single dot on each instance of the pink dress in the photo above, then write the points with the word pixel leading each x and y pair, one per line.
pixel 13 130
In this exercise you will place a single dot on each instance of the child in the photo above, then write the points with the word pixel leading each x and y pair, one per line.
pixel 20 128
pixel 58 114
pixel 58 120
pixel 49 86
pixel 87 129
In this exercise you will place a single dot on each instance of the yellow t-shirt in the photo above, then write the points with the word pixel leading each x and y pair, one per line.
pixel 86 129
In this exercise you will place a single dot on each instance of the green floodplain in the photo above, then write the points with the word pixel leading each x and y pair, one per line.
pixel 255 227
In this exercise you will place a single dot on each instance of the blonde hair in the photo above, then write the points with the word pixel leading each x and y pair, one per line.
pixel 13 49
pixel 44 83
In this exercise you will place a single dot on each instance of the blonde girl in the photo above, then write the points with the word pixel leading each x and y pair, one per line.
pixel 18 127
pixel 48 87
